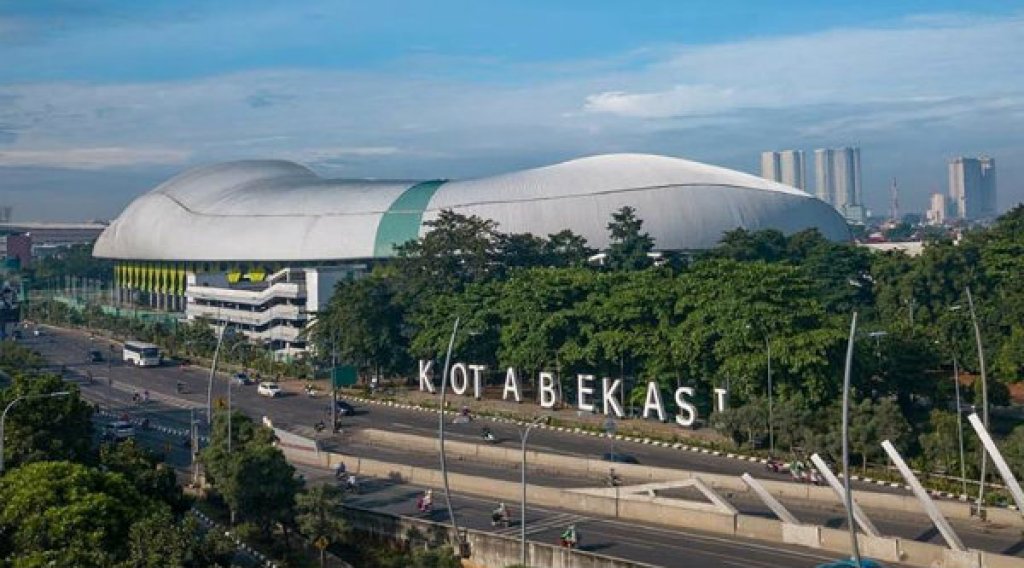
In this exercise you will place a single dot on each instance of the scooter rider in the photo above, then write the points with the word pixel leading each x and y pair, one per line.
pixel 569 537
pixel 499 515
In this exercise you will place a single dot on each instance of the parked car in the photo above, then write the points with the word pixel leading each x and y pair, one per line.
pixel 269 389
pixel 619 458
pixel 95 355
pixel 242 379
pixel 119 430
pixel 343 408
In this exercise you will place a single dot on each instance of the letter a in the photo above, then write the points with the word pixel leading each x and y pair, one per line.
pixel 511 385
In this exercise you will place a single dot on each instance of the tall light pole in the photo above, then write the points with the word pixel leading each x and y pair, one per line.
pixel 440 436
pixel 522 504
pixel 233 347
pixel 984 398
pixel 213 371
pixel 959 422
pixel 3 417
pixel 846 442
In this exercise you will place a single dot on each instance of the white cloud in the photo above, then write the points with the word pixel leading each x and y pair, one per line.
pixel 935 86
pixel 92 158
pixel 927 58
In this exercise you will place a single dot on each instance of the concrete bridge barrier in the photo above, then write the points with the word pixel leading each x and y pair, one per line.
pixel 909 552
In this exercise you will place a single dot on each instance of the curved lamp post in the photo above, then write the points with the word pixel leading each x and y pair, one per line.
pixel 522 506
pixel 440 436
pixel 3 417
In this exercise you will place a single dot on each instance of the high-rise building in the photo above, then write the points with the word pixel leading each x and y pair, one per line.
pixel 824 175
pixel 785 167
pixel 791 166
pixel 937 211
pixel 770 166
pixel 837 178
pixel 972 187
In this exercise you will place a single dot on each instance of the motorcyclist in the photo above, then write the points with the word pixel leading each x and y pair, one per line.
pixel 487 434
pixel 613 478
pixel 426 500
pixel 339 472
pixel 569 537
pixel 499 515
pixel 351 483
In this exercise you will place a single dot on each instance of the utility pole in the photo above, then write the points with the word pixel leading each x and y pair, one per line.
pixel 334 383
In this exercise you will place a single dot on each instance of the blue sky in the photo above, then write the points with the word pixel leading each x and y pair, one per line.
pixel 99 101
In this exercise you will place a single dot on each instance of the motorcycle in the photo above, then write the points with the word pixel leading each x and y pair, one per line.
pixel 613 480
pixel 319 427
pixel 310 391
pixel 499 520
pixel 489 437
pixel 568 543
pixel 179 387
pixel 776 466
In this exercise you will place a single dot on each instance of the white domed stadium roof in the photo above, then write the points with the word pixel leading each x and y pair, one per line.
pixel 281 211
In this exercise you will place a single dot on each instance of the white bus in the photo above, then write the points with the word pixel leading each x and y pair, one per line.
pixel 141 354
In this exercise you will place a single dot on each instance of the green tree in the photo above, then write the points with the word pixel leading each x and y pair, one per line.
pixel 319 516
pixel 67 514
pixel 255 479
pixel 146 471
pixel 47 428
pixel 629 247
pixel 363 325
pixel 567 249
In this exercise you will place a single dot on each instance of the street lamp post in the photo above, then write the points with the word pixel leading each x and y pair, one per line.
pixel 440 435
pixel 846 443
pixel 213 372
pixel 984 397
pixel 959 422
pixel 3 417
pixel 233 347
pixel 522 505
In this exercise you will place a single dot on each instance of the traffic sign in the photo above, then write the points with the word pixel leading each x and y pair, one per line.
pixel 344 376
pixel 321 542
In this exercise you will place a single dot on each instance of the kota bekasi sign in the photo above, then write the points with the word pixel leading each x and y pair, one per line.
pixel 605 396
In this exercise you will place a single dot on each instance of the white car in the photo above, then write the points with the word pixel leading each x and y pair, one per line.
pixel 268 389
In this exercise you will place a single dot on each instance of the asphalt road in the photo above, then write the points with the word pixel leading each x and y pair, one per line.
pixel 654 545
pixel 71 349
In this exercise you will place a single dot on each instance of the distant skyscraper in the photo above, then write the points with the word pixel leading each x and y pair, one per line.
pixel 824 175
pixel 785 167
pixel 937 211
pixel 972 187
pixel 837 180
pixel 770 166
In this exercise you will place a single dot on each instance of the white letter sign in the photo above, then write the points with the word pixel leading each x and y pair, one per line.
pixel 583 392
pixel 611 403
pixel 426 376
pixel 653 402
pixel 548 396
pixel 511 385
pixel 459 378
pixel 685 407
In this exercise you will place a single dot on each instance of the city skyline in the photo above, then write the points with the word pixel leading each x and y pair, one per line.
pixel 972 187
pixel 98 106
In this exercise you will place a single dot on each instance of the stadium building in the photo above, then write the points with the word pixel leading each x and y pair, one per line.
pixel 260 245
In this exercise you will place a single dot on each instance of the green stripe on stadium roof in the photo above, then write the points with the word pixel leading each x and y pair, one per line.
pixel 401 222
